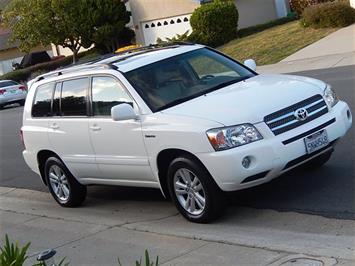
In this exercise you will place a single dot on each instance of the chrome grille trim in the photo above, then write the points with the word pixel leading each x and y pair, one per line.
pixel 284 119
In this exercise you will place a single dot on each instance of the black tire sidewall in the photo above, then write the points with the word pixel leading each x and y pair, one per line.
pixel 212 193
pixel 76 191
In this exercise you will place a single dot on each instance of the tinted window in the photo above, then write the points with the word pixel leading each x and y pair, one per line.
pixel 56 99
pixel 73 100
pixel 42 103
pixel 186 76
pixel 106 93
pixel 7 83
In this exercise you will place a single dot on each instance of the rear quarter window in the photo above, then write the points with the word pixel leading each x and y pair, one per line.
pixel 42 101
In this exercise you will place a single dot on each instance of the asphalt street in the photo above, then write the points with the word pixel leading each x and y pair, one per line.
pixel 328 191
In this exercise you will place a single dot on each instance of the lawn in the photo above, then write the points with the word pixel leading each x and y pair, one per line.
pixel 274 44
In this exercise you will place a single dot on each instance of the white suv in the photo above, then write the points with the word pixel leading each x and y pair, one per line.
pixel 182 118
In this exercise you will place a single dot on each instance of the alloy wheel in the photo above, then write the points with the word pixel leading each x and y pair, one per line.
pixel 189 191
pixel 59 183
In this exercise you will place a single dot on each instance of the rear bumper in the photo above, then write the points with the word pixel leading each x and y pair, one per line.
pixel 13 98
pixel 31 161
pixel 273 155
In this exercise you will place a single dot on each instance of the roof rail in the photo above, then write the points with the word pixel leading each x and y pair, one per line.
pixel 154 46
pixel 62 71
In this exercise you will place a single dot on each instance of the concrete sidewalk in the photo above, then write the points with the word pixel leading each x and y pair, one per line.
pixel 337 49
pixel 104 229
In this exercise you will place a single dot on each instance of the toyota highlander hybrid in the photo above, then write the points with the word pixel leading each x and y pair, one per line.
pixel 183 118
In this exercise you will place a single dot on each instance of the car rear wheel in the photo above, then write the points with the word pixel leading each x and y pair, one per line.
pixel 194 192
pixel 65 189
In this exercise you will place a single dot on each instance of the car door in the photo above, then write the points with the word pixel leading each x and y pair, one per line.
pixel 68 128
pixel 118 145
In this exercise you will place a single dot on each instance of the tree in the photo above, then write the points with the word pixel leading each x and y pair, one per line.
pixel 70 23
pixel 109 18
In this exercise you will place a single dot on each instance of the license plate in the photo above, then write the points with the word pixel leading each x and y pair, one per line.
pixel 316 141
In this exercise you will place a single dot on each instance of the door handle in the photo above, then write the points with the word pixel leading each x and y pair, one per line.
pixel 54 126
pixel 95 128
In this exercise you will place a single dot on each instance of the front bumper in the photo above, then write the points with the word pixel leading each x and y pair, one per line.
pixel 271 156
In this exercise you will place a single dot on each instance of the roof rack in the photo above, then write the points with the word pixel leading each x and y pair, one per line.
pixel 62 71
pixel 154 46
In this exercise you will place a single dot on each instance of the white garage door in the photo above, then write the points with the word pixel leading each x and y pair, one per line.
pixel 165 28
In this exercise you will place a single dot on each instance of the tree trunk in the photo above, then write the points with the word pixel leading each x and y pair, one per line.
pixel 75 56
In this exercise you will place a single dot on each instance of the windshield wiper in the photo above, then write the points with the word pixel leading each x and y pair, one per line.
pixel 217 87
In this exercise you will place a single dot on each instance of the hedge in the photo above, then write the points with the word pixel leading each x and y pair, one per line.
pixel 299 6
pixel 332 14
pixel 214 23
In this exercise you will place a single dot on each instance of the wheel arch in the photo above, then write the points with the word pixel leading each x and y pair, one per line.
pixel 164 158
pixel 42 157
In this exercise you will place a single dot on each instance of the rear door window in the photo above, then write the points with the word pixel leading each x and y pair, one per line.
pixel 74 97
pixel 43 99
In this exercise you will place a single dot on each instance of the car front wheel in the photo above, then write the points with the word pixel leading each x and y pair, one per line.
pixel 194 192
pixel 65 189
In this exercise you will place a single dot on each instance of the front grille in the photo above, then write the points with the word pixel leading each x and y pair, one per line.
pixel 285 120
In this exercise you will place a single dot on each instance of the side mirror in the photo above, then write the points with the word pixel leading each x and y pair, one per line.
pixel 123 111
pixel 251 64
pixel 15 66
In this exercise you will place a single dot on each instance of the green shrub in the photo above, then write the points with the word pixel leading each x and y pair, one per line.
pixel 299 6
pixel 12 254
pixel 334 14
pixel 214 23
pixel 148 261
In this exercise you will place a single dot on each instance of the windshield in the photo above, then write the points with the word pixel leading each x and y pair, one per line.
pixel 180 78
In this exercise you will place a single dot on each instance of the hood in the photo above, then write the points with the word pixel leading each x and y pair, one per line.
pixel 251 100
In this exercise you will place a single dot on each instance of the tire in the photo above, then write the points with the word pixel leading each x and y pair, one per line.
pixel 67 191
pixel 188 195
pixel 318 161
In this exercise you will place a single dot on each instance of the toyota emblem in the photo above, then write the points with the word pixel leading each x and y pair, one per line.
pixel 301 114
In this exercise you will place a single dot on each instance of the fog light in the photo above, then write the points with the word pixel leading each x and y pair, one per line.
pixel 246 162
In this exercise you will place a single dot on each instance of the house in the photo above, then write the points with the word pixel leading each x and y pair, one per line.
pixel 9 52
pixel 153 19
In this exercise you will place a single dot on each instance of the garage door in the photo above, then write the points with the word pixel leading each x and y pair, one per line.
pixel 165 28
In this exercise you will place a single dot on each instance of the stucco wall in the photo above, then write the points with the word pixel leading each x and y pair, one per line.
pixel 253 12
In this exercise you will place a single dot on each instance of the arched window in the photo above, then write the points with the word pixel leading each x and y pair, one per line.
pixel 178 21
pixel 146 26
pixel 172 22
pixel 159 24
pixel 166 23
pixel 152 25
pixel 186 19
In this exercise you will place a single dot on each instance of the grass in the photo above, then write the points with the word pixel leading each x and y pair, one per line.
pixel 272 45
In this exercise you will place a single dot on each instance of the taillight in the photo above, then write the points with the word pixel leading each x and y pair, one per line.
pixel 22 140
pixel 23 88
pixel 2 91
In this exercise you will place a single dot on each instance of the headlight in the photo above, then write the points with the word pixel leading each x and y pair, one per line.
pixel 229 137
pixel 330 96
